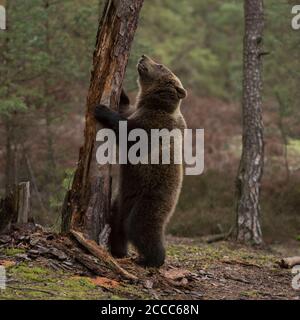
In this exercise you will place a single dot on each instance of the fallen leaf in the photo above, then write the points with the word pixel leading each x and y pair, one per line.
pixel 176 274
pixel 148 284
pixel 104 282
pixel 184 281
pixel 7 263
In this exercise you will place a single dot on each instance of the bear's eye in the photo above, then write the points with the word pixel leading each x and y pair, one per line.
pixel 160 66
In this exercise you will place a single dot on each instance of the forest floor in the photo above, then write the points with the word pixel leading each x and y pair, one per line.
pixel 37 269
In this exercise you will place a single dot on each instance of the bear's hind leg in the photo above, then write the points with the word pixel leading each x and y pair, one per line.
pixel 147 234
pixel 153 256
pixel 118 237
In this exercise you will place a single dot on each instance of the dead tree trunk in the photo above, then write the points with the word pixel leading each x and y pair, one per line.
pixel 14 208
pixel 10 155
pixel 87 204
pixel 23 192
pixel 252 160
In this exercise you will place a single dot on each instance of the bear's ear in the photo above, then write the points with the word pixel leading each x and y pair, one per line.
pixel 181 92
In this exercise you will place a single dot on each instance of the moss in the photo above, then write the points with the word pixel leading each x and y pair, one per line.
pixel 250 294
pixel 208 254
pixel 114 297
pixel 34 281
pixel 79 283
pixel 29 273
pixel 37 282
pixel 12 251
pixel 132 292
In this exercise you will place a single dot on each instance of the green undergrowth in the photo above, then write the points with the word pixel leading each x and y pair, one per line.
pixel 29 282
pixel 12 251
pixel 33 281
pixel 205 255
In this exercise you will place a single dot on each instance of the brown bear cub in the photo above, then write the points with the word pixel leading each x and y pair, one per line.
pixel 148 193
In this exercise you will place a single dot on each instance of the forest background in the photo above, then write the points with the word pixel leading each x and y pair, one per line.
pixel 46 55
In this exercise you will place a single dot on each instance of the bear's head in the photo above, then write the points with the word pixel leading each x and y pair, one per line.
pixel 157 80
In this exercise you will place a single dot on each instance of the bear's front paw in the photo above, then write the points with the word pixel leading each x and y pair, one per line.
pixel 100 111
pixel 101 108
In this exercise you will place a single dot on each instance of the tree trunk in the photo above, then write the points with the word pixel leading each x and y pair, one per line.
pixel 87 204
pixel 10 156
pixel 50 162
pixel 23 191
pixel 15 207
pixel 252 160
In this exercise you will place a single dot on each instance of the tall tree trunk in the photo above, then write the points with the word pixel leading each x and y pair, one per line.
pixel 87 204
pixel 10 157
pixel 10 145
pixel 252 160
pixel 51 164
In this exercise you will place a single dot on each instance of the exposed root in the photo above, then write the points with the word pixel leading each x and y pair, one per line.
pixel 100 253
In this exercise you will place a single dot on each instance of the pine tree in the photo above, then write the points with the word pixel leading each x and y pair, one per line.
pixel 252 161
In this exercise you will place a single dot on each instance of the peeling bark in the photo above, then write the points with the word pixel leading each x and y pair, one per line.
pixel 87 204
pixel 252 160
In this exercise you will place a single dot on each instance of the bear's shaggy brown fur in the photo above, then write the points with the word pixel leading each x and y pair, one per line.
pixel 147 193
